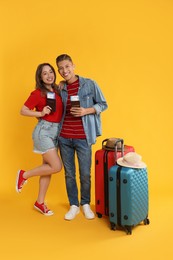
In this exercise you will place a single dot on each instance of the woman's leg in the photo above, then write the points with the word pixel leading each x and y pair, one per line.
pixel 52 164
pixel 44 183
pixel 43 187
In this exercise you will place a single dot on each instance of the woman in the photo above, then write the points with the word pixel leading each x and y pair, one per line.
pixel 45 133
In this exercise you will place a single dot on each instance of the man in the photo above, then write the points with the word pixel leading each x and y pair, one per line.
pixel 80 126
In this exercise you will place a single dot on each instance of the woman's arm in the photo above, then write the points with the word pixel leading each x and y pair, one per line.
pixel 25 111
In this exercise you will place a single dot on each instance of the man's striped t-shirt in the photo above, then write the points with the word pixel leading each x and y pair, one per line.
pixel 72 126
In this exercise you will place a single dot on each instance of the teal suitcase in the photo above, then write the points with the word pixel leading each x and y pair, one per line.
pixel 128 197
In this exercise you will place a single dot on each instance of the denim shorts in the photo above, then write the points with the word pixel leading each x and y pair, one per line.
pixel 45 136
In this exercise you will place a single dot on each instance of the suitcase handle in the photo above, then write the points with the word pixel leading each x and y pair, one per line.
pixel 119 140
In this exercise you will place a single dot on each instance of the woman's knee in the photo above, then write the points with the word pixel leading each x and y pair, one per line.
pixel 53 160
pixel 57 167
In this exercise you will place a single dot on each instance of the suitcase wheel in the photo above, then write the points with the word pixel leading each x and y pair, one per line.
pixel 128 230
pixel 113 226
pixel 99 215
pixel 146 221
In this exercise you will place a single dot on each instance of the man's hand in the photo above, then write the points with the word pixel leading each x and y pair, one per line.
pixel 77 111
pixel 81 111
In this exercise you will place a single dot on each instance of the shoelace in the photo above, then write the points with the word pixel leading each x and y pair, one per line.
pixel 45 209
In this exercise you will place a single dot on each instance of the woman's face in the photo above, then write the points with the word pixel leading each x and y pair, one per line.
pixel 47 75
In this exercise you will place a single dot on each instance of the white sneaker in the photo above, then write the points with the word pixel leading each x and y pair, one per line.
pixel 89 214
pixel 71 214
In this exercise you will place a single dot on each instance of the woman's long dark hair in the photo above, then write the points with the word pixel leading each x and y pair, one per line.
pixel 39 82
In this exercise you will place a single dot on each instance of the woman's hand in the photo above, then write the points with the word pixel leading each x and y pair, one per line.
pixel 46 111
pixel 61 84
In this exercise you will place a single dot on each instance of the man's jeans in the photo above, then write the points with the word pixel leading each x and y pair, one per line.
pixel 68 147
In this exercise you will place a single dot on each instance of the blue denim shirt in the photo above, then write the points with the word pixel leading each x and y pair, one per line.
pixel 90 95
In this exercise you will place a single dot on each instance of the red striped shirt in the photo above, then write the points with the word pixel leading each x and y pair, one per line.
pixel 72 126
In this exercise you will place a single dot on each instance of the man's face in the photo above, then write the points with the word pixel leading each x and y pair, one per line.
pixel 66 70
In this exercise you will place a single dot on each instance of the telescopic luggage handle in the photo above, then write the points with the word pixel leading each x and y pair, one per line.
pixel 119 140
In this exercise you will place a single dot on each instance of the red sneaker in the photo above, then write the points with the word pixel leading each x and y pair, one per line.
pixel 20 181
pixel 43 209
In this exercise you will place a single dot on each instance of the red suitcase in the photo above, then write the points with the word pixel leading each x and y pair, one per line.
pixel 104 159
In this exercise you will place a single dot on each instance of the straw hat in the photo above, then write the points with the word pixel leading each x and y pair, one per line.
pixel 131 160
pixel 110 144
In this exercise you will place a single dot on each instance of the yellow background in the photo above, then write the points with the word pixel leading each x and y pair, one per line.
pixel 126 46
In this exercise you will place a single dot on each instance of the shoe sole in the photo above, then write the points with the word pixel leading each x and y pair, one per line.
pixel 45 214
pixel 89 217
pixel 17 179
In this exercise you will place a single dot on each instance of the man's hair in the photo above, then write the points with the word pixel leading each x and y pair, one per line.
pixel 63 57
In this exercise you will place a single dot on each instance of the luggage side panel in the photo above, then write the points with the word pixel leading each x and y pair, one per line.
pixel 128 197
pixel 99 183
pixel 104 160
pixel 134 196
